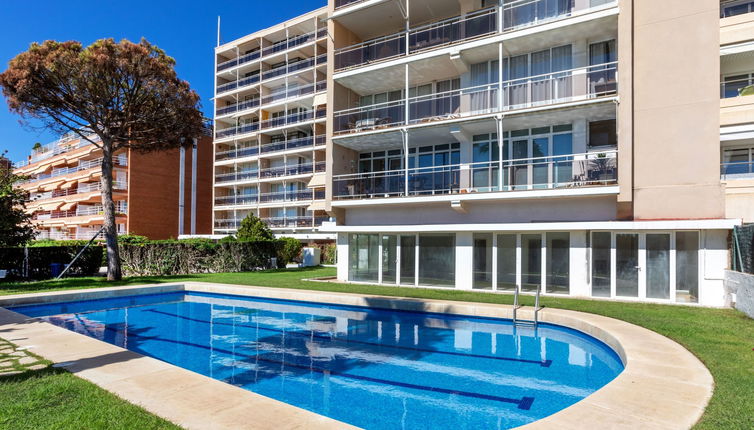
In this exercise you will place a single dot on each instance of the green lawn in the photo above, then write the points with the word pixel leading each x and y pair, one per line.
pixel 722 338
pixel 38 396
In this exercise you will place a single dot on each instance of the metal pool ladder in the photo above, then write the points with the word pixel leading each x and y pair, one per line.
pixel 517 306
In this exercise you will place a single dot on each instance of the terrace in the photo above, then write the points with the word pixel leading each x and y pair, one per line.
pixel 564 86
pixel 540 173
pixel 273 49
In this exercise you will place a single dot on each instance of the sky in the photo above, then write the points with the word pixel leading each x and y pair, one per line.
pixel 186 30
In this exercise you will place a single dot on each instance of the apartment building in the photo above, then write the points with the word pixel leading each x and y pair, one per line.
pixel 270 128
pixel 737 108
pixel 160 195
pixel 571 147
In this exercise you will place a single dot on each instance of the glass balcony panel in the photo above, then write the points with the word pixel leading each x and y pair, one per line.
pixel 546 172
pixel 454 30
pixel 370 117
pixel 371 51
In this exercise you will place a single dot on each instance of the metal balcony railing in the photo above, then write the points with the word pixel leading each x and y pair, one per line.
pixel 291 119
pixel 735 7
pixel 532 91
pixel 735 86
pixel 517 14
pixel 561 171
pixel 275 222
pixel 81 189
pixel 736 170
pixel 241 199
pixel 275 48
pixel 121 207
pixel 304 142
pixel 343 3
pixel 120 160
pixel 271 172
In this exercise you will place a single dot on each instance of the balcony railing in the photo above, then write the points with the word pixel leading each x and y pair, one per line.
pixel 120 160
pixel 562 171
pixel 281 46
pixel 304 142
pixel 61 235
pixel 558 87
pixel 516 15
pixel 271 172
pixel 343 3
pixel 277 222
pixel 736 170
pixel 81 189
pixel 735 7
pixel 269 74
pixel 121 207
pixel 291 119
pixel 737 86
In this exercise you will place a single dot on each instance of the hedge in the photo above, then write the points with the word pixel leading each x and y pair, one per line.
pixel 41 258
pixel 163 258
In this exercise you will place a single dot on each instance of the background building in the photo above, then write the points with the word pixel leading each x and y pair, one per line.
pixel 270 115
pixel 567 146
pixel 159 195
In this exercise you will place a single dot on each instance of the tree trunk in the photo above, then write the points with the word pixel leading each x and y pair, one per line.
pixel 111 232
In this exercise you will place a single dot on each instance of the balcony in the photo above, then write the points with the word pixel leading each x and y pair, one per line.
pixel 120 160
pixel 533 91
pixel 121 208
pixel 277 222
pixel 541 173
pixel 270 74
pixel 81 189
pixel 516 15
pixel 737 86
pixel 271 172
pixel 343 3
pixel 275 48
pixel 61 235
pixel 282 121
pixel 248 151
pixel 731 170
pixel 730 8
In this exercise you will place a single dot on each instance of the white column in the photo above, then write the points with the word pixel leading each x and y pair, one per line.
pixel 342 249
pixel 464 257
pixel 181 188
pixel 194 152
pixel 579 265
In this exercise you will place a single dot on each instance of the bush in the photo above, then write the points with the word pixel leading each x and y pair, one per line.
pixel 164 258
pixel 291 251
pixel 253 228
pixel 40 258
pixel 132 239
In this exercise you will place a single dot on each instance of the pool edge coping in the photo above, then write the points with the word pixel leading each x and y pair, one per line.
pixel 666 392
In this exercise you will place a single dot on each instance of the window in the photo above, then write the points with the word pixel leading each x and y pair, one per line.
pixel 603 133
pixel 601 267
pixel 558 263
pixel 363 258
pixel 687 266
pixel 482 261
pixel 408 260
pixel 437 260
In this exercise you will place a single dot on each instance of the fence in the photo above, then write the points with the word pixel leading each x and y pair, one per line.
pixel 743 249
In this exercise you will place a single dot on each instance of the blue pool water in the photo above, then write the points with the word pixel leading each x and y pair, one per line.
pixel 375 369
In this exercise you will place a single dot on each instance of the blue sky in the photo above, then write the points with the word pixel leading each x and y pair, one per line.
pixel 186 30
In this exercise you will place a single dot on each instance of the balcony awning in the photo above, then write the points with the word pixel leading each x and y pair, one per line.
pixel 50 206
pixel 49 187
pixel 318 180
pixel 316 206
pixel 67 206
pixel 69 185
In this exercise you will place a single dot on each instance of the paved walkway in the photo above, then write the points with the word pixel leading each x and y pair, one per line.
pixel 14 361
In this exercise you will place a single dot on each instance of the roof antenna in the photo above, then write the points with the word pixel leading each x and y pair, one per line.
pixel 218 30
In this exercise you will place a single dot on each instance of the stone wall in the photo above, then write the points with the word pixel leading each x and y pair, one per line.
pixel 742 285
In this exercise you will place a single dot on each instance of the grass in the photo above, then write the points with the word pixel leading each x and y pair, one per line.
pixel 722 338
pixel 37 396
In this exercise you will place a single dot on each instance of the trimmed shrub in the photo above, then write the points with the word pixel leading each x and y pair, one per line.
pixel 41 258
pixel 164 258
pixel 291 251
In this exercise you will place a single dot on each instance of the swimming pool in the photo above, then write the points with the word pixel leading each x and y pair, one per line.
pixel 372 368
